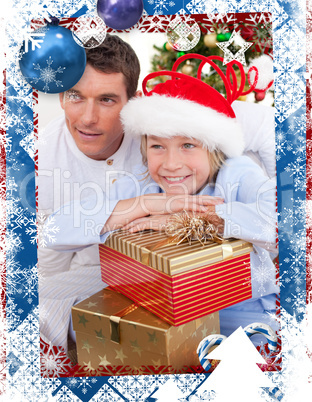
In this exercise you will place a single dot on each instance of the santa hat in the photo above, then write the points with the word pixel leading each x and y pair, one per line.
pixel 185 106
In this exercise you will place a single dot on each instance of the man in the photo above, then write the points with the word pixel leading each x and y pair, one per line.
pixel 85 151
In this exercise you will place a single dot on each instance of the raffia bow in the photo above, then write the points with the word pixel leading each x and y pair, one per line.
pixel 183 227
pixel 189 227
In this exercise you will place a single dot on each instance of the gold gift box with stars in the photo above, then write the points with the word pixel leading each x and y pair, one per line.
pixel 111 330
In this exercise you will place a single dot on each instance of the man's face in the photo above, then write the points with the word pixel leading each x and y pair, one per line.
pixel 92 110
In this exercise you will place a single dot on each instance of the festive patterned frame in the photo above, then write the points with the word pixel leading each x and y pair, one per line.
pixel 20 373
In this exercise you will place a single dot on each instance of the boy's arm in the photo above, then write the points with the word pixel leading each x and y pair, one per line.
pixel 159 222
pixel 90 220
pixel 146 207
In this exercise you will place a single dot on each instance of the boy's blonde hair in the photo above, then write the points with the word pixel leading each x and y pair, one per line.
pixel 216 160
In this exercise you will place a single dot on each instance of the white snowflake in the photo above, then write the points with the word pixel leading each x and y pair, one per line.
pixel 292 380
pixel 130 386
pixel 28 145
pixel 46 230
pixel 19 120
pixel 266 229
pixel 297 170
pixel 31 231
pixel 24 342
pixel 30 285
pixel 48 74
pixel 161 6
pixel 86 383
pixel 293 216
pixel 13 242
pixel 54 362
pixel 262 32
pixel 280 143
pixel 196 7
pixel 106 394
pixel 204 396
pixel 154 23
pixel 262 274
pixel 13 318
pixel 34 38
pixel 22 281
pixel 11 186
pixel 23 93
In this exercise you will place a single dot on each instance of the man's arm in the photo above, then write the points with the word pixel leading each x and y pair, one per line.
pixel 257 122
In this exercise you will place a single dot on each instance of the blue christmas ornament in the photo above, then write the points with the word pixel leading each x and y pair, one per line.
pixel 57 65
pixel 120 14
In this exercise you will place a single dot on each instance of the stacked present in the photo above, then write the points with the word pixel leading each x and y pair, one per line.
pixel 177 282
pixel 163 298
pixel 111 330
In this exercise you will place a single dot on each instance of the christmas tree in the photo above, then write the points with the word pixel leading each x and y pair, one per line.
pixel 237 376
pixel 253 28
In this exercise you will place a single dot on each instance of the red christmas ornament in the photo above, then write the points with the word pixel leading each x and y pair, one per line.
pixel 259 96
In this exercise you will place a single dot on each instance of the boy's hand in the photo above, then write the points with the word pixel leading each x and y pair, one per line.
pixel 154 204
pixel 143 207
pixel 159 222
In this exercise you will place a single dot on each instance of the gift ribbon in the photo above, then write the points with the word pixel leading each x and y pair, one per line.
pixel 115 321
pixel 227 249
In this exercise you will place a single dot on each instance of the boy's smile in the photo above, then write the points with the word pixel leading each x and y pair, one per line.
pixel 179 165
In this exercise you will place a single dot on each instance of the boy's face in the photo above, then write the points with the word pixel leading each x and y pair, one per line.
pixel 92 110
pixel 179 165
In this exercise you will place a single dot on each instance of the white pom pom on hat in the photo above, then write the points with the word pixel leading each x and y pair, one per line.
pixel 264 65
pixel 185 107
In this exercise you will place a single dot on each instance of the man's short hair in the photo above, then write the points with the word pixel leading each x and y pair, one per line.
pixel 116 56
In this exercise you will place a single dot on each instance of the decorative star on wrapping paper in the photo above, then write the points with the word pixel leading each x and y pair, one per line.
pixel 120 355
pixel 152 337
pixel 88 366
pixel 205 331
pixel 82 320
pixel 239 55
pixel 87 346
pixel 105 296
pixel 136 348
pixel 99 333
pixel 101 340
pixel 103 361
pixel 91 304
